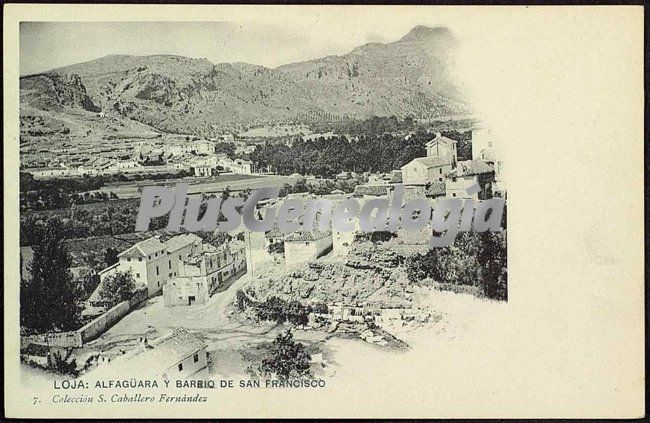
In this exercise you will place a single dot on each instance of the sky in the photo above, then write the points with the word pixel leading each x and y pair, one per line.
pixel 47 45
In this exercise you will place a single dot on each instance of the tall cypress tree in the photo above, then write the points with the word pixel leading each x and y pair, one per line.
pixel 49 300
pixel 493 258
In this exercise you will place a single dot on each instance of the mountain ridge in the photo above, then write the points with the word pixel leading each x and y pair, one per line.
pixel 172 93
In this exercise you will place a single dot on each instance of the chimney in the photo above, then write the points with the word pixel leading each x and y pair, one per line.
pixel 438 134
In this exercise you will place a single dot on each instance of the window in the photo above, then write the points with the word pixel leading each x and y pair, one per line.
pixel 157 271
pixel 169 275
pixel 170 264
pixel 440 170
pixel 180 367
pixel 453 194
pixel 196 358
pixel 139 258
pixel 128 259
pixel 158 283
pixel 137 275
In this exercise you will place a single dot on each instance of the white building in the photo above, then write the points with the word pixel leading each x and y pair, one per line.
pixel 443 147
pixel 442 156
pixel 424 170
pixel 49 172
pixel 301 247
pixel 468 174
pixel 151 263
pixel 242 166
pixel 202 171
pixel 178 355
pixel 482 138
pixel 203 147
pixel 203 271
pixel 124 166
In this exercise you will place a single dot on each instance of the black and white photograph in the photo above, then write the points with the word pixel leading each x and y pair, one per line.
pixel 300 206
pixel 211 303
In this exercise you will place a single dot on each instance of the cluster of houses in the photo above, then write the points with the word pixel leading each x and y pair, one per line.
pixel 436 176
pixel 145 157
pixel 440 174
pixel 184 268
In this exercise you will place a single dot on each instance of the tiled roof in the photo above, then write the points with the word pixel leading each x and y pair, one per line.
pixel 180 241
pixel 144 248
pixel 433 161
pixel 307 236
pixel 471 167
pixel 162 353
pixel 173 348
pixel 396 177
pixel 208 248
pixel 436 189
pixel 274 233
pixel 376 190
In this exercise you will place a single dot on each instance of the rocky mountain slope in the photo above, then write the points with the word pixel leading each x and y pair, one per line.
pixel 183 95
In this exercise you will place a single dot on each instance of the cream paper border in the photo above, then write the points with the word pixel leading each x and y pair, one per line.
pixel 563 86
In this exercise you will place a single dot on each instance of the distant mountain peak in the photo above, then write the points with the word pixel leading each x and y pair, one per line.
pixel 426 33
pixel 176 94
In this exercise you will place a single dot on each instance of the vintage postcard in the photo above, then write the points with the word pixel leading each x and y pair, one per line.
pixel 323 211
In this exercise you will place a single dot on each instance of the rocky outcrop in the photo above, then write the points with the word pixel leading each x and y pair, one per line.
pixel 358 280
pixel 53 91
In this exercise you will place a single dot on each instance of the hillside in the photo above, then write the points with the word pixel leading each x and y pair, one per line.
pixel 183 95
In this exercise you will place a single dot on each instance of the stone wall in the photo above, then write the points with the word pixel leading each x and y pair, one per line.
pixel 91 330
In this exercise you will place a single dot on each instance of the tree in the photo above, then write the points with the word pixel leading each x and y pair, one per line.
pixel 88 285
pixel 478 259
pixel 320 308
pixel 297 313
pixel 242 302
pixel 280 311
pixel 493 259
pixel 110 257
pixel 276 248
pixel 286 359
pixel 117 288
pixel 49 300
